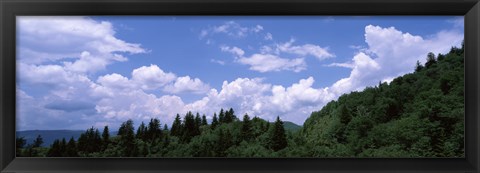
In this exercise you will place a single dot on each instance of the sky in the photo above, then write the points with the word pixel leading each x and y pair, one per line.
pixel 77 72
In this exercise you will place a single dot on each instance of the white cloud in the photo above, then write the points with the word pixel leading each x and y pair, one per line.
pixel 306 49
pixel 231 29
pixel 186 84
pixel 268 36
pixel 115 81
pixel 217 61
pixel 257 28
pixel 151 77
pixel 234 50
pixel 91 44
pixel 395 52
pixel 268 62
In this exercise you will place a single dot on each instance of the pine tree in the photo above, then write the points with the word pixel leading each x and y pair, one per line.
pixel 54 150
pixel 105 137
pixel 418 67
pixel 189 127
pixel 176 127
pixel 198 123
pixel 127 138
pixel 71 148
pixel 165 128
pixel 345 116
pixel 19 144
pixel 246 131
pixel 204 120
pixel 214 121
pixel 430 60
pixel 154 132
pixel 229 116
pixel 38 141
pixel 141 132
pixel 63 147
pixel 221 116
pixel 277 137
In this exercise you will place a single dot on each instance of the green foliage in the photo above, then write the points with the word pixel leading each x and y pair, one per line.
pixel 416 115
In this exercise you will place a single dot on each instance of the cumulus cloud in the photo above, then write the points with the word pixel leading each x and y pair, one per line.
pixel 74 101
pixel 186 84
pixel 90 44
pixel 151 77
pixel 391 53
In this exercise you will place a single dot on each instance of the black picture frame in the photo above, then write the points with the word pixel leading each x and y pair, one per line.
pixel 11 8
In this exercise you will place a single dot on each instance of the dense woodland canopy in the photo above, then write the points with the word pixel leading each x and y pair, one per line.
pixel 420 114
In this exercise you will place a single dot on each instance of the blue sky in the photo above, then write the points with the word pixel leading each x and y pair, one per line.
pixel 78 72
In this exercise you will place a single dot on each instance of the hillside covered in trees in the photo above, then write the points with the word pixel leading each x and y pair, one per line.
pixel 420 114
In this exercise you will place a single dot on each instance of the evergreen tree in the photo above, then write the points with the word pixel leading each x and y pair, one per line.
pixel 63 147
pixel 278 138
pixel 55 150
pixel 246 131
pixel 229 116
pixel 141 132
pixel 165 128
pixel 19 144
pixel 214 121
pixel 221 116
pixel 154 132
pixel 345 116
pixel 190 129
pixel 204 120
pixel 71 149
pixel 198 122
pixel 418 66
pixel 127 138
pixel 176 127
pixel 430 60
pixel 38 141
pixel 105 137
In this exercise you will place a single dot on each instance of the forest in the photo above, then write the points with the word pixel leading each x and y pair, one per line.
pixel 420 114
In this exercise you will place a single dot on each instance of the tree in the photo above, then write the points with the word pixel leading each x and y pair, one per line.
pixel 127 138
pixel 221 116
pixel 38 141
pixel 176 127
pixel 430 60
pixel 278 138
pixel 418 66
pixel 154 132
pixel 105 137
pixel 246 131
pixel 345 116
pixel 71 149
pixel 19 144
pixel 141 132
pixel 190 128
pixel 204 120
pixel 198 123
pixel 229 116
pixel 55 150
pixel 214 121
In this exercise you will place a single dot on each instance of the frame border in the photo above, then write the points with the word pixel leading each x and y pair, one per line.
pixel 9 9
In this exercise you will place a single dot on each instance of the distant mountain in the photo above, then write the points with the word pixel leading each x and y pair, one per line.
pixel 49 135
pixel 291 126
